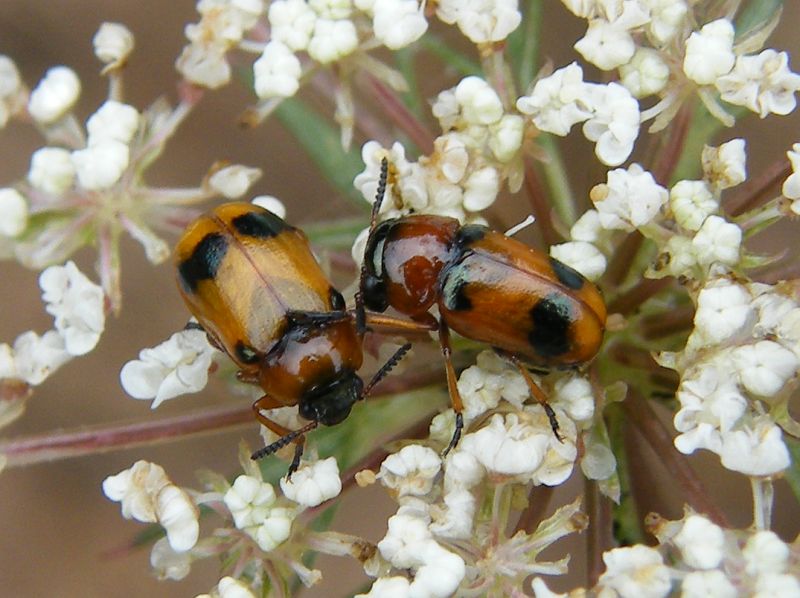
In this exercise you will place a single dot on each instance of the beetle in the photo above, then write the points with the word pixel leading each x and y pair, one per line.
pixel 253 284
pixel 488 287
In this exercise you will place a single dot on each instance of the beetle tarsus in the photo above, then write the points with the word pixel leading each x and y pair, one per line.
pixel 456 434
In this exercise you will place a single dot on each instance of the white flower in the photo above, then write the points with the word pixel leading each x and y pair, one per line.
pixel 388 587
pixel 275 530
pixel 646 74
pixel 723 310
pixel 701 542
pixel 249 500
pixel 410 471
pixel 666 17
pixel 709 52
pixel 629 199
pixel 313 483
pixel 481 189
pixel 573 394
pixel 691 202
pixel 481 20
pixel 234 181
pixel 113 121
pixel 398 23
pixel 176 512
pixel 367 181
pixel 113 43
pixel 230 587
pixel 36 357
pixel 404 537
pixel 708 394
pixel 204 65
pixel 764 367
pixel 607 45
pixel 55 95
pixel 784 584
pixel 10 81
pixel 635 571
pixel 148 495
pixel 725 166
pixel 175 367
pixel 587 228
pixel 482 385
pixel 455 522
pixel 332 9
pixel 51 170
pixel 506 137
pixel 581 256
pixel 168 563
pixel 765 553
pixel 791 186
pixel 598 461
pixel 277 72
pixel 717 241
pixel 479 103
pixel 559 101
pixel 702 584
pixel 763 84
pixel 270 203
pixel 614 124
pixel 292 23
pixel 13 212
pixel 462 471
pixel 332 40
pixel 507 445
pixel 756 451
pixel 440 574
pixel 77 304
pixel 101 165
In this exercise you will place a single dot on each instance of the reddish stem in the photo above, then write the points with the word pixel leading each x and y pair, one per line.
pixel 755 191
pixel 539 204
pixel 633 298
pixel 54 446
pixel 538 499
pixel 599 532
pixel 401 116
pixel 669 154
pixel 656 435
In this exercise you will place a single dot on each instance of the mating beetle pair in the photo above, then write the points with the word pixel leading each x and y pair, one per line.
pixel 254 286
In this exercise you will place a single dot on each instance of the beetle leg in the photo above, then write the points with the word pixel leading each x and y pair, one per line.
pixel 539 395
pixel 452 386
pixel 393 325
pixel 191 325
pixel 286 435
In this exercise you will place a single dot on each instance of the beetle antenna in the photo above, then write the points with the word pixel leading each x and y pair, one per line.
pixel 361 316
pixel 386 368
pixel 283 441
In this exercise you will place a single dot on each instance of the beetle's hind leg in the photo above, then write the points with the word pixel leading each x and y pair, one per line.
pixel 538 394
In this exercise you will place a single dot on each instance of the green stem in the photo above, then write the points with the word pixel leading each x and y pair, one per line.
pixel 763 497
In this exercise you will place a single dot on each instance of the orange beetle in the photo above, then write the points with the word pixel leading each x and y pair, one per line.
pixel 487 287
pixel 254 286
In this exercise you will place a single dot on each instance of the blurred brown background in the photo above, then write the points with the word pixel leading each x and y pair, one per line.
pixel 56 525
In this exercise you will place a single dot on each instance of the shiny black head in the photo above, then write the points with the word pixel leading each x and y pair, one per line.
pixel 330 404
pixel 373 286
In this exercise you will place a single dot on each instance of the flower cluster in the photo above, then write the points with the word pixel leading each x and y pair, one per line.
pixel 701 559
pixel 258 529
pixel 659 50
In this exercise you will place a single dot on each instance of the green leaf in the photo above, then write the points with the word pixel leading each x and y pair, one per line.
pixel 792 474
pixel 404 58
pixel 523 43
pixel 755 16
pixel 321 141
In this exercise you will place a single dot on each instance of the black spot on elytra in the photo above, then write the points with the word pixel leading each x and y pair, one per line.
pixel 470 234
pixel 204 261
pixel 261 225
pixel 245 354
pixel 566 275
pixel 551 318
pixel 455 295
pixel 337 301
